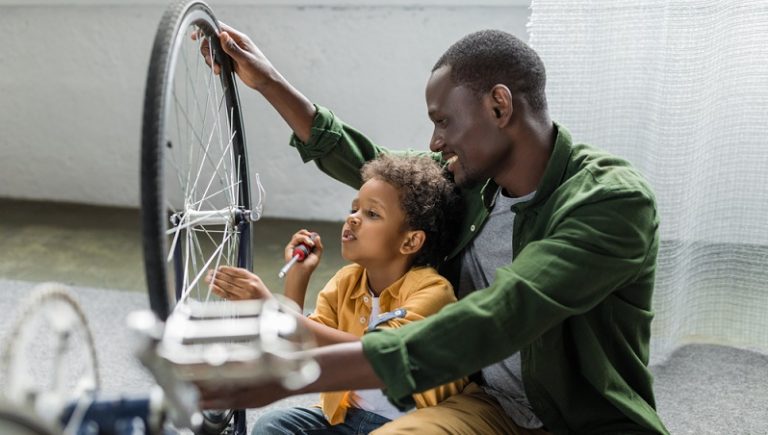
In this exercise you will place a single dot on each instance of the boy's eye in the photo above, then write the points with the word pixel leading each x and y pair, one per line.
pixel 371 213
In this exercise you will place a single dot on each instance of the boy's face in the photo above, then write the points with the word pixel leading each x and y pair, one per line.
pixel 375 228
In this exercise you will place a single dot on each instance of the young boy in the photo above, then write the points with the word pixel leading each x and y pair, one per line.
pixel 398 228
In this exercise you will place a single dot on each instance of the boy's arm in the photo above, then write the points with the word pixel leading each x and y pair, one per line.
pixel 425 298
pixel 295 287
pixel 237 283
pixel 325 335
pixel 324 321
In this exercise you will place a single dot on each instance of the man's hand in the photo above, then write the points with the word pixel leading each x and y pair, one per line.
pixel 250 64
pixel 241 397
pixel 236 283
pixel 257 72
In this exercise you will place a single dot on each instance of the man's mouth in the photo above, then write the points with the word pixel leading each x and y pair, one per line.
pixel 450 164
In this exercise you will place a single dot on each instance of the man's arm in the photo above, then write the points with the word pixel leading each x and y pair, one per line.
pixel 592 252
pixel 257 72
pixel 338 149
pixel 342 367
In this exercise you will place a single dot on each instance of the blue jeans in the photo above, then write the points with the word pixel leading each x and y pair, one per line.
pixel 312 421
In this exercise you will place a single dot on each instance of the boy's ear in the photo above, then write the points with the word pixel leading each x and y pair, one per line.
pixel 413 242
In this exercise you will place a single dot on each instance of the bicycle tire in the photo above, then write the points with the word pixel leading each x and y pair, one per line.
pixel 169 277
pixel 157 105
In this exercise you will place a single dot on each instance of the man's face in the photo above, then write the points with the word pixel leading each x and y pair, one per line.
pixel 465 131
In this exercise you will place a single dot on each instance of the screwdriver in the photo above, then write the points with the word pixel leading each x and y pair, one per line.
pixel 300 252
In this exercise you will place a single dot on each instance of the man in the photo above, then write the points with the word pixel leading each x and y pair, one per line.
pixel 554 264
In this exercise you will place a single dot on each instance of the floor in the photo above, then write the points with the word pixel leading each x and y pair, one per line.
pixel 700 389
pixel 100 247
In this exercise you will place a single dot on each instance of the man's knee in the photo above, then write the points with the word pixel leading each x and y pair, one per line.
pixel 470 412
pixel 425 421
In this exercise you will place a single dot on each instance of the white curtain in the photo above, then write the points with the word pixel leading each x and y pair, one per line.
pixel 680 88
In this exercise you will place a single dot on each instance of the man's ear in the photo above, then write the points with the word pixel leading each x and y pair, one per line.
pixel 413 242
pixel 500 102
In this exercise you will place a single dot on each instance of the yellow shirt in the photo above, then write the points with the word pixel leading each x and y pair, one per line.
pixel 345 304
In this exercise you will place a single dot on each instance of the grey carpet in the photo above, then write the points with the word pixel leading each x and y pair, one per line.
pixel 700 389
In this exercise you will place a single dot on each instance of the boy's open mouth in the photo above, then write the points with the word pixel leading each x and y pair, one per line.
pixel 348 235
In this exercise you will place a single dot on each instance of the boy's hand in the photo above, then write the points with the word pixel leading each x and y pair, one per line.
pixel 236 283
pixel 250 64
pixel 313 259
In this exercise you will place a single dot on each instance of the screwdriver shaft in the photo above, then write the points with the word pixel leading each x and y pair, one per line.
pixel 288 266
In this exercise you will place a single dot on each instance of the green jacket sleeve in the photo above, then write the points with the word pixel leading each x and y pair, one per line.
pixel 550 280
pixel 340 150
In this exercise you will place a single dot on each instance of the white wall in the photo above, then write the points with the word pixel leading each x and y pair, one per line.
pixel 72 78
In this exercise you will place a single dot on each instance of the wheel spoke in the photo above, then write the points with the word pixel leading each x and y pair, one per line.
pixel 205 157
pixel 216 254
pixel 216 169
pixel 225 189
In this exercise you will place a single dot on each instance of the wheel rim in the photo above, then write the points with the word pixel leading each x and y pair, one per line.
pixel 202 210
pixel 196 204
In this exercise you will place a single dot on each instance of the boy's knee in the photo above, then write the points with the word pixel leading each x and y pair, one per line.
pixel 276 422
pixel 289 421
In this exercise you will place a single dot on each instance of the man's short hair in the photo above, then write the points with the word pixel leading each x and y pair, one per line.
pixel 486 58
pixel 429 199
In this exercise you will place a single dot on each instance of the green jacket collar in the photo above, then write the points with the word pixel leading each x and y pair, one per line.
pixel 550 180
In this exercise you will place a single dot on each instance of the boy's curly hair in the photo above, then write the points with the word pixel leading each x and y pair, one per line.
pixel 428 197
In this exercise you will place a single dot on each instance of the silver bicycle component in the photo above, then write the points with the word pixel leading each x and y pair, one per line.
pixel 41 367
pixel 20 421
pixel 222 343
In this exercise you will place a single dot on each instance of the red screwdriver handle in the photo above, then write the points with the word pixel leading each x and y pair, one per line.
pixel 302 249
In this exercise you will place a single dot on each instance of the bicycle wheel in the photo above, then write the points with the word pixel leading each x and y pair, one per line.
pixel 195 195
pixel 49 358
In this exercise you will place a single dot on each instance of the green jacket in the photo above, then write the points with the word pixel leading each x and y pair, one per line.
pixel 575 301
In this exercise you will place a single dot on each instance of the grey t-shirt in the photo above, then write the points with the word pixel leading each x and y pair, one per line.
pixel 491 249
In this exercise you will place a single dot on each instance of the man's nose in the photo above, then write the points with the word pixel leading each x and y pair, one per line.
pixel 436 143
